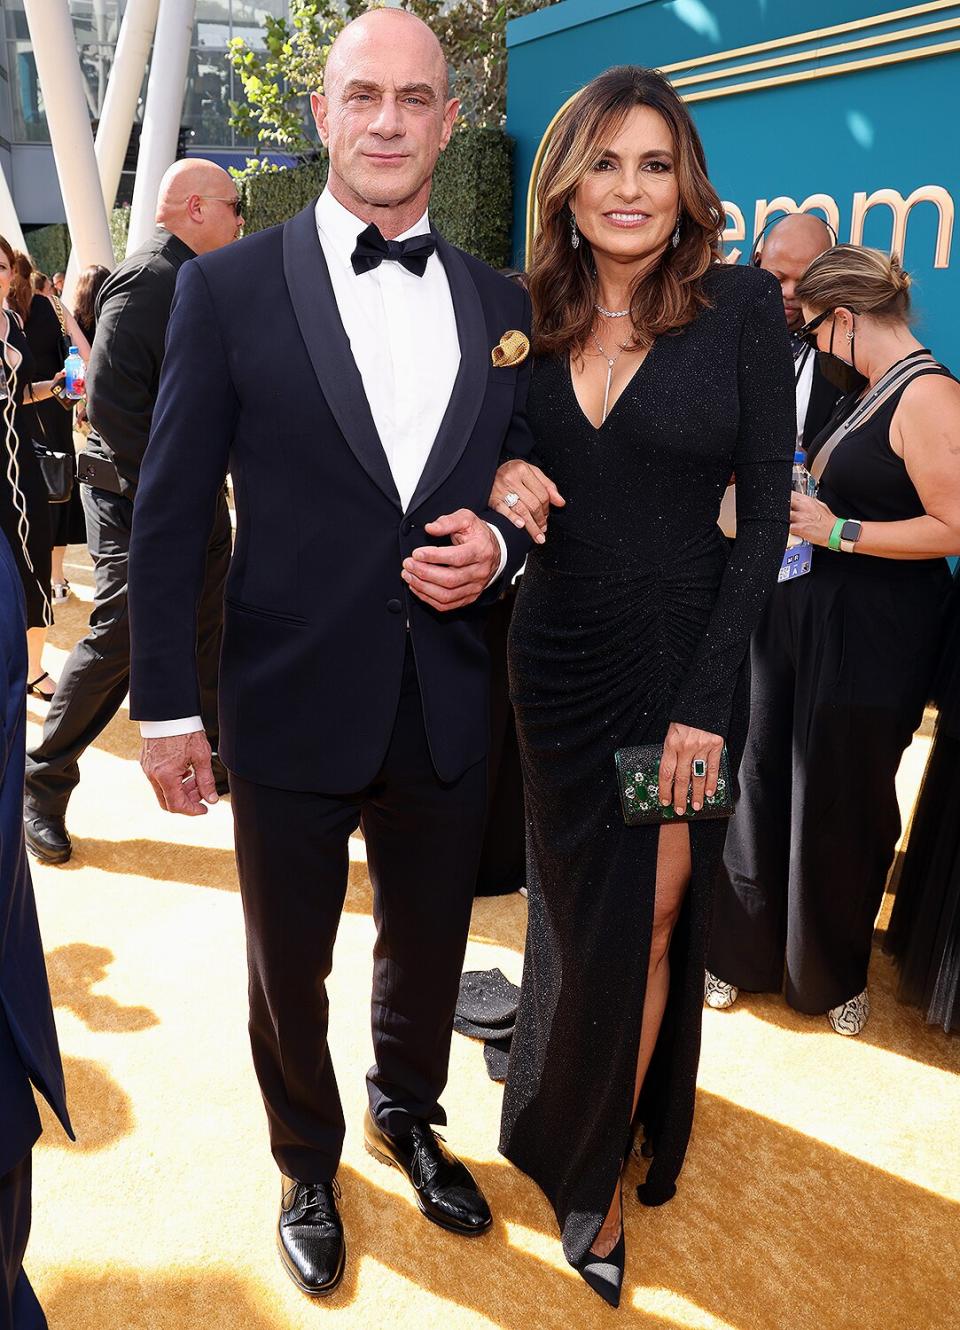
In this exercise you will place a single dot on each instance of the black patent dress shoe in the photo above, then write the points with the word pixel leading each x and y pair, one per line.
pixel 310 1235
pixel 444 1187
pixel 47 839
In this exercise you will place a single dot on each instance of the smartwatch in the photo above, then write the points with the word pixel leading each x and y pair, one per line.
pixel 849 535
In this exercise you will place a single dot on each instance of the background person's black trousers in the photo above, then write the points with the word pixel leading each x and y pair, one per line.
pixel 19 1308
pixel 95 678
pixel 423 841
pixel 841 663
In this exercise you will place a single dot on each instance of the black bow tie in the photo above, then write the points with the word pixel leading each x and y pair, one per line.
pixel 372 249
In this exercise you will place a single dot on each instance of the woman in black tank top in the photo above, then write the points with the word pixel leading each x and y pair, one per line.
pixel 843 660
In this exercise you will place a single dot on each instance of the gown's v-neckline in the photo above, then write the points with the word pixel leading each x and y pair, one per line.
pixel 623 392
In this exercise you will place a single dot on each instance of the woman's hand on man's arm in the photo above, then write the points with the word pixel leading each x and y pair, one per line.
pixel 534 492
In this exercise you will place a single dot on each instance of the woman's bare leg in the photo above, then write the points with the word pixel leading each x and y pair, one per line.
pixel 35 640
pixel 57 555
pixel 673 877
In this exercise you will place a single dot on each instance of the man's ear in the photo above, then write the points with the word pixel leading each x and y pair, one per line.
pixel 450 112
pixel 319 106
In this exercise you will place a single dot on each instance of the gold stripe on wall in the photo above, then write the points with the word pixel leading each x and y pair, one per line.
pixel 798 76
pixel 857 25
pixel 821 52
pixel 826 71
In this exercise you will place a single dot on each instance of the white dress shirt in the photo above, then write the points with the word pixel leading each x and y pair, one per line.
pixel 803 367
pixel 389 315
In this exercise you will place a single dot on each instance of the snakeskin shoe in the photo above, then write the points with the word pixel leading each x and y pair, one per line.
pixel 717 994
pixel 850 1017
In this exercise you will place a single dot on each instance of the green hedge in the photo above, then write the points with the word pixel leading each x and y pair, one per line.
pixel 273 196
pixel 49 247
pixel 119 226
pixel 471 202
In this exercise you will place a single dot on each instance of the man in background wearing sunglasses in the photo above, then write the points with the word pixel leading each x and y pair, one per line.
pixel 788 249
pixel 198 210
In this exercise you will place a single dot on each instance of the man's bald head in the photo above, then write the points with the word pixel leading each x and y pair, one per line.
pixel 799 233
pixel 789 248
pixel 196 202
pixel 389 25
pixel 384 116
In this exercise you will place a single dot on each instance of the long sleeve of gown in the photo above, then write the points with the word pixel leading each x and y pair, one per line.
pixel 762 463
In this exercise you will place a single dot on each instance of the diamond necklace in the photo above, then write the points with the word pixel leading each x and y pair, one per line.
pixel 610 365
pixel 612 313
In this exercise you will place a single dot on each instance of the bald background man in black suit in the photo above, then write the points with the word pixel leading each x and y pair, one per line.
pixel 788 249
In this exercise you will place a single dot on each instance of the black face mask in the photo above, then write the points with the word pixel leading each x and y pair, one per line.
pixel 839 373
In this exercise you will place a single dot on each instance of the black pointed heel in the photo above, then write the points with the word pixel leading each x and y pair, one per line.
pixel 604 1274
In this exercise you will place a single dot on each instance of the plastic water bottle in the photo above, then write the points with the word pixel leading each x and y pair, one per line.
pixel 76 372
pixel 803 482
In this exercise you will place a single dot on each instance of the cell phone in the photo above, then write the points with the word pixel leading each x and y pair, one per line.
pixel 98 472
pixel 60 393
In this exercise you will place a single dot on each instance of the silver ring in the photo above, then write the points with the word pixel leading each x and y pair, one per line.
pixel 699 767
pixel 511 499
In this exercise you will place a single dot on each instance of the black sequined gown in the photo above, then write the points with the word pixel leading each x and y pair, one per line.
pixel 632 615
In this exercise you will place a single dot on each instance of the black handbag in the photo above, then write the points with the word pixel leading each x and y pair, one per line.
pixel 59 469
pixel 638 774
pixel 58 472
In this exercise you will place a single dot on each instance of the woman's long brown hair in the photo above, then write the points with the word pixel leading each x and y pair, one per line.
pixel 563 284
pixel 85 297
pixel 20 295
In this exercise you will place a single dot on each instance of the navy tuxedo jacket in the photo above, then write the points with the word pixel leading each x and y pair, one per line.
pixel 258 380
pixel 28 1037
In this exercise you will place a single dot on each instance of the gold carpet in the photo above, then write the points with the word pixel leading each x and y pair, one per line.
pixel 821 1192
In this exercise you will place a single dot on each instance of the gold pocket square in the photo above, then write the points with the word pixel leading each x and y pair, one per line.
pixel 513 349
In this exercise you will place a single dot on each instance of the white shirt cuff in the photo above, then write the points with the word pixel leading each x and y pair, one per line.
pixel 162 729
pixel 503 554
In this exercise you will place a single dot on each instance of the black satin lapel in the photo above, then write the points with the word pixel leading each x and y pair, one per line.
pixel 471 381
pixel 315 307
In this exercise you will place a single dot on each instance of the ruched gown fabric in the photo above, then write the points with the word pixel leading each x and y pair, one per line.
pixel 634 614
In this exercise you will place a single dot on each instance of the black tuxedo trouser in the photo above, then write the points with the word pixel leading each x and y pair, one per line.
pixel 423 841
pixel 96 676
pixel 19 1309
pixel 503 856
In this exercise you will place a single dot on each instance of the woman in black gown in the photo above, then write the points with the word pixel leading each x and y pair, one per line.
pixel 843 661
pixel 49 422
pixel 24 509
pixel 631 626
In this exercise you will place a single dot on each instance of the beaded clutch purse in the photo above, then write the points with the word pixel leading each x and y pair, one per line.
pixel 638 772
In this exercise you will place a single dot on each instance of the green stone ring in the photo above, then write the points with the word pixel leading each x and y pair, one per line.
pixel 699 767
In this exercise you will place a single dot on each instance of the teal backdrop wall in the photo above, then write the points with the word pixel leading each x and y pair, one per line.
pixel 846 107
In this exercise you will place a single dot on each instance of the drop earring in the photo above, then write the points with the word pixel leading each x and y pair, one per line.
pixel 574 233
pixel 675 241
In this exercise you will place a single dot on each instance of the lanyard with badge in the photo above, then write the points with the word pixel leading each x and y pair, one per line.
pixel 798 556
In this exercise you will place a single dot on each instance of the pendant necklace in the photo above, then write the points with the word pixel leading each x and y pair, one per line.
pixel 610 365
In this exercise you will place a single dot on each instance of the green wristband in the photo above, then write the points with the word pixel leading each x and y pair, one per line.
pixel 834 540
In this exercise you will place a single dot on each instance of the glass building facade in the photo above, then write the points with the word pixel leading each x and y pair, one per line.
pixel 211 83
